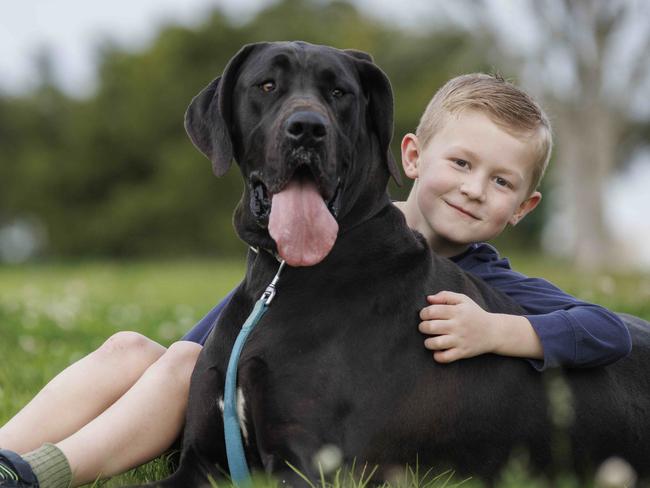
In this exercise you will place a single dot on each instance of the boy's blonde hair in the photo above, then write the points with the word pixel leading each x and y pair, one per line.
pixel 506 105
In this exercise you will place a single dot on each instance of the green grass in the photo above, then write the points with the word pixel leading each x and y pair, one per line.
pixel 52 315
pixel 622 292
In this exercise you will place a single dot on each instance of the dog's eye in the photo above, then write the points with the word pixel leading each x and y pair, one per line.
pixel 267 86
pixel 337 93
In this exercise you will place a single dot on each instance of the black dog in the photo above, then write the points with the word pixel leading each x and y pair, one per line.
pixel 338 359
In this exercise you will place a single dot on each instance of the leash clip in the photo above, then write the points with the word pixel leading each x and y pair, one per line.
pixel 269 293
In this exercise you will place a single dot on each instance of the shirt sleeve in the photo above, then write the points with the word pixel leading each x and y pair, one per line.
pixel 573 333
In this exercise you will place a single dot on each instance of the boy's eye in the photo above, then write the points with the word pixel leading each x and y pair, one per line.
pixel 502 182
pixel 461 162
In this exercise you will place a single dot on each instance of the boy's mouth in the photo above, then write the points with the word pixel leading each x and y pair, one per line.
pixel 463 211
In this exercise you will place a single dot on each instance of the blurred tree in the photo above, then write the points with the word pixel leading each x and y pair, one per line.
pixel 115 175
pixel 588 60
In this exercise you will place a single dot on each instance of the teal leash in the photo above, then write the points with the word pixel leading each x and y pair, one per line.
pixel 237 464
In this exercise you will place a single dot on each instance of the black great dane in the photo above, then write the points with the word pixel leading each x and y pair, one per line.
pixel 338 359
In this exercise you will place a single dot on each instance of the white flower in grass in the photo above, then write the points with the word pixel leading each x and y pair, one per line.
pixel 399 476
pixel 606 285
pixel 186 323
pixel 132 313
pixel 560 401
pixel 125 315
pixel 64 313
pixel 184 312
pixel 28 344
pixel 76 288
pixel 615 473
pixel 168 331
pixel 114 315
pixel 30 292
pixel 328 458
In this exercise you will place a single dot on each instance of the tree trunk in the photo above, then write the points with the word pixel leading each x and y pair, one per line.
pixel 585 155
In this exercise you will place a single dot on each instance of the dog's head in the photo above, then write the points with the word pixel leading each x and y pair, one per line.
pixel 310 127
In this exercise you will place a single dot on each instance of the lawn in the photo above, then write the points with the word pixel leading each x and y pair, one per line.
pixel 53 314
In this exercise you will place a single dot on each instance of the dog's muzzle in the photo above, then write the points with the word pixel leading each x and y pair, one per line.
pixel 298 197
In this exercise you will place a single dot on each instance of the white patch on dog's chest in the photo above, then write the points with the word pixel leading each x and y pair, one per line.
pixel 241 412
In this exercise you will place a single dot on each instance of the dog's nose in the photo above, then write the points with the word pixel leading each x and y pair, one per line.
pixel 304 126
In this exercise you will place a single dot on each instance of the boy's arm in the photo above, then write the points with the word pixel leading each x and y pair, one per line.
pixel 572 332
pixel 463 329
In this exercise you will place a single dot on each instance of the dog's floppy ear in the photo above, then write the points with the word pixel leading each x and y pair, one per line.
pixel 359 55
pixel 380 105
pixel 207 119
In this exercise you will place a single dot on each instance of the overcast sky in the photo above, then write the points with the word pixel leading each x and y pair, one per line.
pixel 72 28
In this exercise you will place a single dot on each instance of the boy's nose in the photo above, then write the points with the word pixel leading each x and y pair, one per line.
pixel 473 188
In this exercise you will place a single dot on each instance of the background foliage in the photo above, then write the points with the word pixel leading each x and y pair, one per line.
pixel 115 175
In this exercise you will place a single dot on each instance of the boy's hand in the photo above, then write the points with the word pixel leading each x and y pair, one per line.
pixel 462 329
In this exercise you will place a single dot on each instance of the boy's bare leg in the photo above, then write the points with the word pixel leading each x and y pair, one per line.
pixel 139 426
pixel 81 392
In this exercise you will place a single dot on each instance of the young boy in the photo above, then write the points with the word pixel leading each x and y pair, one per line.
pixel 477 157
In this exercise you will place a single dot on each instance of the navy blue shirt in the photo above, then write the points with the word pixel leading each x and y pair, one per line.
pixel 572 332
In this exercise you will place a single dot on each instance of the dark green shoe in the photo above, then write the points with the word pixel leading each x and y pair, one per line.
pixel 15 472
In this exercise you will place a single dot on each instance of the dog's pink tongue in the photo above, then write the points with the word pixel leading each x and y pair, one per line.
pixel 300 224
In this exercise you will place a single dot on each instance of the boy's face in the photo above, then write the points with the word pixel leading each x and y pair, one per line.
pixel 473 179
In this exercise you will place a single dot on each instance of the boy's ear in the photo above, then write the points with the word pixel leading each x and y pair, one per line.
pixel 410 155
pixel 525 208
